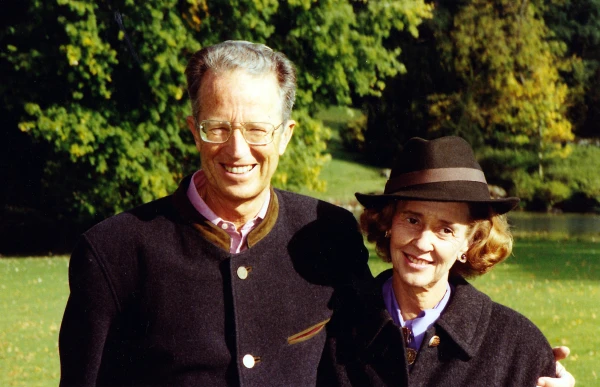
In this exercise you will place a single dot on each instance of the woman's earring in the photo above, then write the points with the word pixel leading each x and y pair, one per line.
pixel 463 258
pixel 387 234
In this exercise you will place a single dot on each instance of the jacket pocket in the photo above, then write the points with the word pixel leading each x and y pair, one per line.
pixel 308 333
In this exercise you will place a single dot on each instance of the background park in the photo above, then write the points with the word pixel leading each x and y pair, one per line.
pixel 93 123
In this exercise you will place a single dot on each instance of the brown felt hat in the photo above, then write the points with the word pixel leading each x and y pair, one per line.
pixel 443 170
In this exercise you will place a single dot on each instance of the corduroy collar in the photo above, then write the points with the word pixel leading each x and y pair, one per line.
pixel 210 231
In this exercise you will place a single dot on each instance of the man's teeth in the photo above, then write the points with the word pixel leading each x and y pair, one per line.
pixel 244 169
pixel 417 260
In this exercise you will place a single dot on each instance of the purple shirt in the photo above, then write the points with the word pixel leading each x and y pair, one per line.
pixel 419 324
pixel 238 238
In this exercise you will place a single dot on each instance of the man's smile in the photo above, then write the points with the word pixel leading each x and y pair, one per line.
pixel 238 169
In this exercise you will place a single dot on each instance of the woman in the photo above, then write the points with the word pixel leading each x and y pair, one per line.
pixel 437 224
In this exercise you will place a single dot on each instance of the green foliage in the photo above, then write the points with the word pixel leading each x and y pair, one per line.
pixel 295 169
pixel 579 171
pixel 107 105
pixel 353 137
pixel 114 128
pixel 511 91
pixel 510 76
pixel 573 178
pixel 577 22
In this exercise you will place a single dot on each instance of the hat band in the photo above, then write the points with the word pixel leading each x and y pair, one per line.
pixel 434 176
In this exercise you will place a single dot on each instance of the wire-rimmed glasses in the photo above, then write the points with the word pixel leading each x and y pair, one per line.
pixel 255 133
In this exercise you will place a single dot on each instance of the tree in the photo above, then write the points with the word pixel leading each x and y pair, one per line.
pixel 577 23
pixel 98 87
pixel 512 93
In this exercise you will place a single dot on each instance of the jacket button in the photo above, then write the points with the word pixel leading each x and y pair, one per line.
pixel 249 361
pixel 434 342
pixel 242 272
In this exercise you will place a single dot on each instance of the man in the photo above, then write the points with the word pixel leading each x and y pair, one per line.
pixel 228 281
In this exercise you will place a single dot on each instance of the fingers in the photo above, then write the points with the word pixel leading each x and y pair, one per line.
pixel 563 378
pixel 561 353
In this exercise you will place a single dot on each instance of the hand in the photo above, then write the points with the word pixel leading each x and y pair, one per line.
pixel 563 377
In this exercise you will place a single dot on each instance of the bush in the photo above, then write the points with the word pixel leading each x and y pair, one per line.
pixel 569 183
pixel 353 137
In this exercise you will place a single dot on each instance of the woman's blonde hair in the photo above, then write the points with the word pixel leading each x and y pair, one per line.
pixel 490 240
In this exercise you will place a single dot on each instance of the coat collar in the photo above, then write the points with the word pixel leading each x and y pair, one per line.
pixel 211 232
pixel 466 317
pixel 464 320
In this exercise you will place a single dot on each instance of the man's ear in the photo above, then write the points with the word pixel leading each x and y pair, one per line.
pixel 286 135
pixel 191 122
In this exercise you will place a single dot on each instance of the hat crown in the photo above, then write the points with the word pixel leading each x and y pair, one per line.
pixel 446 152
pixel 444 169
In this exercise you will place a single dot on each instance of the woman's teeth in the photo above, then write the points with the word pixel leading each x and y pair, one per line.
pixel 417 260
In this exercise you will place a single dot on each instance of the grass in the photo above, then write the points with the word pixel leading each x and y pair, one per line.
pixel 344 178
pixel 33 294
pixel 347 172
pixel 554 283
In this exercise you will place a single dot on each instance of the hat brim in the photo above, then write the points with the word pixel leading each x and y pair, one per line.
pixel 500 206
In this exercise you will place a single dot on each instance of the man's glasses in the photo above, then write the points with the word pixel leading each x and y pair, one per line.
pixel 255 133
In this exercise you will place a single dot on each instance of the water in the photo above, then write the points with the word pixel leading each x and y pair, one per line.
pixel 569 224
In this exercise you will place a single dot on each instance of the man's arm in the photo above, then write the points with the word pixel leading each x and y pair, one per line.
pixel 563 377
pixel 86 321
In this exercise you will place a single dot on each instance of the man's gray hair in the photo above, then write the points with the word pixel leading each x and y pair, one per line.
pixel 254 58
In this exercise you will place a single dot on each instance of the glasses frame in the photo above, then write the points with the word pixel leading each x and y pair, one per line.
pixel 241 128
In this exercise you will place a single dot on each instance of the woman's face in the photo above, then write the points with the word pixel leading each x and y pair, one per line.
pixel 426 239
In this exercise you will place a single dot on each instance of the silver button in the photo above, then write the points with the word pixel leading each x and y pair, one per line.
pixel 249 361
pixel 224 226
pixel 242 272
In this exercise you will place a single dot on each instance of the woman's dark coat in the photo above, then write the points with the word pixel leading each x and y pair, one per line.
pixel 481 343
pixel 157 299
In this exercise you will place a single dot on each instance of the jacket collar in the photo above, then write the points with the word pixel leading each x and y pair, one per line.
pixel 210 231
pixel 465 318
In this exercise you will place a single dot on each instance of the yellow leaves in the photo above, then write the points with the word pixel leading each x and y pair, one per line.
pixel 26 126
pixel 304 4
pixel 510 74
pixel 193 15
pixel 178 93
pixel 72 53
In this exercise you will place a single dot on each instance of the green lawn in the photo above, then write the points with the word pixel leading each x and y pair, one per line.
pixel 344 178
pixel 347 172
pixel 554 283
pixel 33 293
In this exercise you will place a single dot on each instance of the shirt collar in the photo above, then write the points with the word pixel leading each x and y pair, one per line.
pixel 422 322
pixel 238 239
pixel 197 182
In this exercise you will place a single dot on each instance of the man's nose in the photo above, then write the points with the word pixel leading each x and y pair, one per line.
pixel 236 145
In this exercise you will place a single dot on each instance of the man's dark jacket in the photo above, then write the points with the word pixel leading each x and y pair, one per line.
pixel 476 342
pixel 157 299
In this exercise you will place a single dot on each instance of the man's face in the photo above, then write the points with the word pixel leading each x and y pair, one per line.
pixel 236 171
